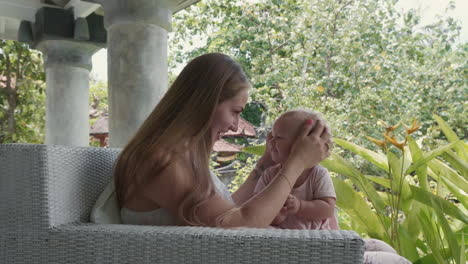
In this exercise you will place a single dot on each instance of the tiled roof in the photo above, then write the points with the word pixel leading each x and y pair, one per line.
pixel 244 129
pixel 224 146
pixel 101 126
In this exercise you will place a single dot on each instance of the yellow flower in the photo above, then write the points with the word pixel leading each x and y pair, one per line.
pixel 414 127
pixel 395 142
pixel 377 67
pixel 320 88
pixel 380 143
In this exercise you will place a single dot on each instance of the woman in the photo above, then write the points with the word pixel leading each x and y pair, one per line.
pixel 162 176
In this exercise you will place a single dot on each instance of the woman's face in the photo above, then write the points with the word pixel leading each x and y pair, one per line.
pixel 227 115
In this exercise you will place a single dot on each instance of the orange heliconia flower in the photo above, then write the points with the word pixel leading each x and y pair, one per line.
pixel 414 127
pixel 388 128
pixel 395 142
pixel 380 143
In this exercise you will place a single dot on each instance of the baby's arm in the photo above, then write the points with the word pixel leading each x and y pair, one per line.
pixel 321 208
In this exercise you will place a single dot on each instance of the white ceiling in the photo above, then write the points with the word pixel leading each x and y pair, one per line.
pixel 12 12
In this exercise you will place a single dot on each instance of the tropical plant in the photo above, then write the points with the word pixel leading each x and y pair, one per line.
pixel 418 201
pixel 411 211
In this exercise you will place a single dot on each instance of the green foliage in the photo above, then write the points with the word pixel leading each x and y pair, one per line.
pixel 418 218
pixel 413 212
pixel 354 61
pixel 253 113
pixel 242 169
pixel 22 94
pixel 98 99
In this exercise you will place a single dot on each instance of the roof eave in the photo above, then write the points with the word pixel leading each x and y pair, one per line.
pixel 184 5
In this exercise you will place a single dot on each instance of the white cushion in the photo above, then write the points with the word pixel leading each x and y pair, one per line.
pixel 106 209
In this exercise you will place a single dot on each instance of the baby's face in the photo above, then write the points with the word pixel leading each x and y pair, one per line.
pixel 284 134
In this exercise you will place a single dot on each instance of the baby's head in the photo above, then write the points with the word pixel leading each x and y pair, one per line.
pixel 285 130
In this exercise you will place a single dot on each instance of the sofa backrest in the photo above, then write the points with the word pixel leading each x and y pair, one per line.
pixel 42 186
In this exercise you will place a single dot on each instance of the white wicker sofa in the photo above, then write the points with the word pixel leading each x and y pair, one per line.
pixel 46 195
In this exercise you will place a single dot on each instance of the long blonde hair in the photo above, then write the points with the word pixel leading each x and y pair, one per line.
pixel 181 123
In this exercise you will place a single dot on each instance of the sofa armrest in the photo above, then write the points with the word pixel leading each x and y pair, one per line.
pixel 94 243
pixel 42 186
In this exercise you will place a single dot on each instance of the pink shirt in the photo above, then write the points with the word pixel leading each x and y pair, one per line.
pixel 318 184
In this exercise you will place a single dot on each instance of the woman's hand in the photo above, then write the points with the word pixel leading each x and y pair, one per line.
pixel 312 145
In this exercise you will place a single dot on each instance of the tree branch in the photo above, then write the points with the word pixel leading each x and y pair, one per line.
pixel 281 45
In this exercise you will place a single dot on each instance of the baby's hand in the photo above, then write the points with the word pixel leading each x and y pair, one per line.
pixel 283 213
pixel 293 204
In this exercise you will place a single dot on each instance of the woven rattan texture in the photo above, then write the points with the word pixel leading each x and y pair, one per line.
pixel 47 193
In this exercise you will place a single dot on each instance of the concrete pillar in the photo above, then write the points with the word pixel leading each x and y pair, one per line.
pixel 137 62
pixel 67 66
pixel 67 44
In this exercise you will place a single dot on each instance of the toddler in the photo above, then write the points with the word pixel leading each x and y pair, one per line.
pixel 311 204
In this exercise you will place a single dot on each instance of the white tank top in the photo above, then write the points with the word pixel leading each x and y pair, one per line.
pixel 161 216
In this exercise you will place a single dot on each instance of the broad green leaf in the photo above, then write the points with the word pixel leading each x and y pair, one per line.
pixel 412 220
pixel 417 155
pixel 439 167
pixel 422 244
pixel 408 244
pixel 430 259
pixel 429 156
pixel 448 235
pixel 408 159
pixel 465 148
pixel 337 164
pixel 431 237
pixel 457 163
pixel 438 203
pixel 255 150
pixel 395 165
pixel 375 158
pixel 353 204
pixel 379 180
pixel 455 190
pixel 398 181
pixel 452 137
pixel 462 249
pixel 453 181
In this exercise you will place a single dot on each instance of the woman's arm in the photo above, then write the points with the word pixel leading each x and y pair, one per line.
pixel 260 210
pixel 246 190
